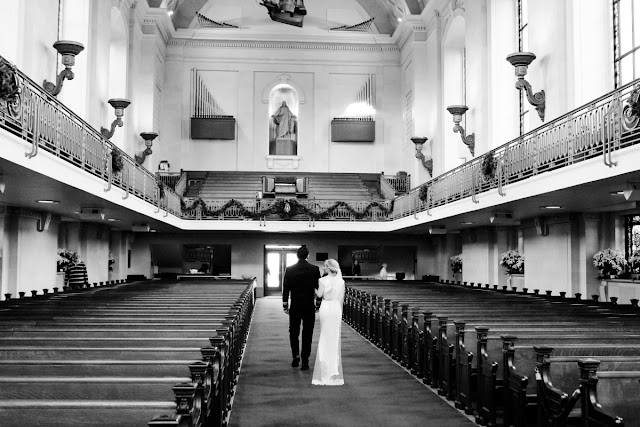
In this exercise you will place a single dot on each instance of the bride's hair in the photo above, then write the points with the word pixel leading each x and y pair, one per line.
pixel 333 266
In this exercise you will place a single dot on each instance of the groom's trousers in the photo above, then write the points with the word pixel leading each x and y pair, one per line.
pixel 307 318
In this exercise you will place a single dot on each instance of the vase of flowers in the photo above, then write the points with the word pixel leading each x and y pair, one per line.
pixel 456 266
pixel 610 262
pixel 66 258
pixel 512 261
pixel 112 260
pixel 634 265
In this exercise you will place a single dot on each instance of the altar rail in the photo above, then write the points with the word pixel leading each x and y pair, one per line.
pixel 37 117
pixel 596 129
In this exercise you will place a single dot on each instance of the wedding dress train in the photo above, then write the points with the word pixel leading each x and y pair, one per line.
pixel 328 367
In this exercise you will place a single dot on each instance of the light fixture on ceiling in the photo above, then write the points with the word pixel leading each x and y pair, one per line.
pixel 68 50
pixel 427 163
pixel 169 12
pixel 503 218
pixel 521 61
pixel 3 183
pixel 457 111
pixel 617 193
pixel 113 219
pixel 49 202
pixel 552 207
pixel 466 222
pixel 437 230
pixel 399 19
pixel 118 104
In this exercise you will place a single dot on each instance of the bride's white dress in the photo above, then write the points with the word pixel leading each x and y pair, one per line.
pixel 328 367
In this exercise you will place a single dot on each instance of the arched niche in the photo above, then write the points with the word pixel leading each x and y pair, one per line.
pixel 284 102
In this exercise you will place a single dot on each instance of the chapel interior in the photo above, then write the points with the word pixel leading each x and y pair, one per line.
pixel 183 150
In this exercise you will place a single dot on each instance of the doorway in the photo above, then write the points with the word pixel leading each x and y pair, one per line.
pixel 277 259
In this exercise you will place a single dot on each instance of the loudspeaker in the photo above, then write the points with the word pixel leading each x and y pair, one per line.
pixel 92 214
pixel 141 228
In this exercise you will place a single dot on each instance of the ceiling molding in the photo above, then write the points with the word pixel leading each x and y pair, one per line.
pixel 285 45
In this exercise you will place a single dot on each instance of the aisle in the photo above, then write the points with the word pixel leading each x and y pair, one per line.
pixel 377 392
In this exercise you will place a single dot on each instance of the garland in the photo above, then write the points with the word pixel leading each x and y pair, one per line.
pixel 9 89
pixel 285 208
pixel 160 189
pixel 488 168
pixel 117 162
pixel 424 193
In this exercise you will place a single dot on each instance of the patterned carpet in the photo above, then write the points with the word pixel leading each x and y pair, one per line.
pixel 377 392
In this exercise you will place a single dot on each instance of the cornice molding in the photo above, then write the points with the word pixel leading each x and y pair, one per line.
pixel 252 44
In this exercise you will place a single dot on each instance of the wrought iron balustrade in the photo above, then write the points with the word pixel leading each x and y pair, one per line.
pixel 597 129
pixel 35 116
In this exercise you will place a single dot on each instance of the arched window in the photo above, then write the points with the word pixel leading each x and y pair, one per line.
pixel 283 120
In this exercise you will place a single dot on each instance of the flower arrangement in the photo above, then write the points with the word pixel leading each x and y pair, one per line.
pixel 488 168
pixel 610 262
pixel 112 260
pixel 9 89
pixel 512 261
pixel 424 193
pixel 634 263
pixel 456 263
pixel 66 258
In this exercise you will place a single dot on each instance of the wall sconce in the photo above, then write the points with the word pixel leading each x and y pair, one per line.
pixel 68 50
pixel 148 141
pixel 427 163
pixel 457 111
pixel 521 60
pixel 119 104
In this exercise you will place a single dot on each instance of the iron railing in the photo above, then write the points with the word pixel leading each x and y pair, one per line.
pixel 39 118
pixel 400 183
pixel 597 129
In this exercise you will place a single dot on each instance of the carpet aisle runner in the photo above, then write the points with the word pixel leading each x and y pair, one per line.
pixel 377 392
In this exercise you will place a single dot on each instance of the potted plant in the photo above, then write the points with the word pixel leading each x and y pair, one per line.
pixel 513 262
pixel 456 265
pixel 112 260
pixel 610 262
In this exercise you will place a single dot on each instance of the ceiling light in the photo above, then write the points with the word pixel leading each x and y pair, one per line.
pixel 170 12
pixel 617 193
pixel 552 207
pixel 399 19
pixel 153 230
pixel 49 202
pixel 113 219
pixel 466 222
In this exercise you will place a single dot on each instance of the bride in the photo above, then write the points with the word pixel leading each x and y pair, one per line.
pixel 328 367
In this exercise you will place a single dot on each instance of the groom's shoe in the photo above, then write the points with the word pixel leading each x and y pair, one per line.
pixel 305 365
pixel 295 362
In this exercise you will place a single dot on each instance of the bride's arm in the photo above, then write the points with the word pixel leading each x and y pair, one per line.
pixel 320 290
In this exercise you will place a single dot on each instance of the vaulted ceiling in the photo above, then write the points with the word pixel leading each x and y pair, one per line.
pixel 385 12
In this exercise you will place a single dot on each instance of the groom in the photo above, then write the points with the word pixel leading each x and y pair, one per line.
pixel 301 280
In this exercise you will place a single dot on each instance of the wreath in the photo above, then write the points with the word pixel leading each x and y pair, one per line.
pixel 285 209
pixel 117 162
pixel 9 89
pixel 489 165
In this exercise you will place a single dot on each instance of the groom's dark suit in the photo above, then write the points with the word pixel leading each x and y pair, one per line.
pixel 301 280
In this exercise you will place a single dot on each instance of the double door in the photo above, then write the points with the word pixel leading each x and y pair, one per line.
pixel 277 259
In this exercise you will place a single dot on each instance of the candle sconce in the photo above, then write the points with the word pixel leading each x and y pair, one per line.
pixel 457 111
pixel 521 61
pixel 68 50
pixel 427 163
pixel 148 141
pixel 119 104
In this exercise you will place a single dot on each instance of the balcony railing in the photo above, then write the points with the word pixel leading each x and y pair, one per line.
pixel 597 129
pixel 40 119
pixel 400 183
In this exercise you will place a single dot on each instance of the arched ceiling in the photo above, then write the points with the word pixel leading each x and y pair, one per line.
pixel 386 12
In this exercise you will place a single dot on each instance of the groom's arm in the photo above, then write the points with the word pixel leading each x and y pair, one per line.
pixel 285 292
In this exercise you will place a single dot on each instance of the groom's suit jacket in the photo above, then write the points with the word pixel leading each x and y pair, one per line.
pixel 301 281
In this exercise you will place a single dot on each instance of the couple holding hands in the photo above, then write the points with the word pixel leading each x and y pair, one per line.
pixel 304 282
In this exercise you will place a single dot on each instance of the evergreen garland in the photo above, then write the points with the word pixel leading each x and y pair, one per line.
pixel 9 89
pixel 285 208
pixel 489 164
pixel 424 193
pixel 117 162
pixel 161 193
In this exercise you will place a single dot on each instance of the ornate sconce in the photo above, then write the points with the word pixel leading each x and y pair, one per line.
pixel 148 141
pixel 68 50
pixel 119 104
pixel 521 60
pixel 457 111
pixel 427 163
